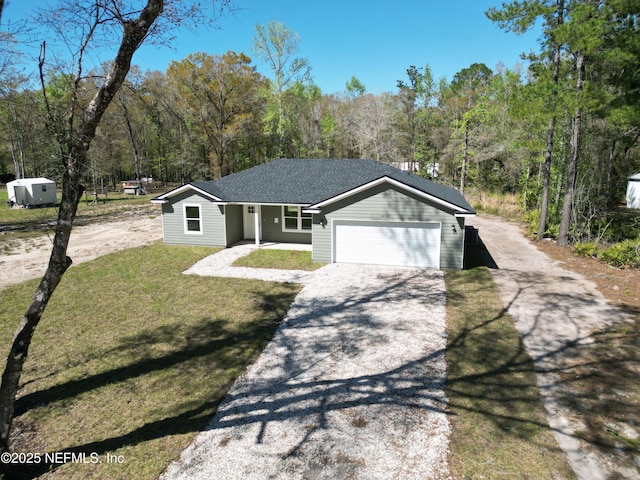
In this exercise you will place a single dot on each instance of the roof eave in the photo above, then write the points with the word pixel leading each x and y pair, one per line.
pixel 184 188
pixel 311 210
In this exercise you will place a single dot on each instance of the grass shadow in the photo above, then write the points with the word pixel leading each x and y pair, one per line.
pixel 499 420
pixel 187 369
pixel 601 386
pixel 201 340
pixel 345 327
pixel 186 422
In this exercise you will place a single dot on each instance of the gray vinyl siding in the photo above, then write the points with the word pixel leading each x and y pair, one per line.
pixel 212 220
pixel 386 203
pixel 233 221
pixel 272 231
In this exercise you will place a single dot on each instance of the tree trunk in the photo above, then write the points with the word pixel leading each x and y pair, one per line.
pixel 567 204
pixel 610 158
pixel 544 203
pixel 58 264
pixel 134 33
pixel 465 154
pixel 137 166
pixel 548 154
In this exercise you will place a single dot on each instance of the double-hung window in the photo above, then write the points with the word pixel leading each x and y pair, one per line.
pixel 294 220
pixel 192 219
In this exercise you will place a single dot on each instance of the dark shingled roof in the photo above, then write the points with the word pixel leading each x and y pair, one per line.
pixel 307 182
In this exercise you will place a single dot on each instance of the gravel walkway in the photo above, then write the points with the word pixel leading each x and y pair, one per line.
pixel 219 265
pixel 351 386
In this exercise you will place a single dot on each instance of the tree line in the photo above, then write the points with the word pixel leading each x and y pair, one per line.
pixel 561 134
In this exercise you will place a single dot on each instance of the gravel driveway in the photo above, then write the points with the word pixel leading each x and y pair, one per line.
pixel 351 386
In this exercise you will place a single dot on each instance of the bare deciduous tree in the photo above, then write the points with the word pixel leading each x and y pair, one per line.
pixel 83 24
pixel 370 127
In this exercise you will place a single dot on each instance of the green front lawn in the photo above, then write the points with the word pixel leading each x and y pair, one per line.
pixel 280 259
pixel 132 358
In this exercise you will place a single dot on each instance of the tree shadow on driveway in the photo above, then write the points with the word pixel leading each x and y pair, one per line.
pixel 351 384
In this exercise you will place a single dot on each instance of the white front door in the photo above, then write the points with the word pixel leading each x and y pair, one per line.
pixel 249 221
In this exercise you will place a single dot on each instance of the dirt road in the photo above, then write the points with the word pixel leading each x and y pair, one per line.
pixel 556 312
pixel 28 259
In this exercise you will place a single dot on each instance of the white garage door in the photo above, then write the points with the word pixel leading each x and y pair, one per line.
pixel 388 243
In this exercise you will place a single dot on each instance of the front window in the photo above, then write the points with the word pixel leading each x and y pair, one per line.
pixel 192 219
pixel 295 220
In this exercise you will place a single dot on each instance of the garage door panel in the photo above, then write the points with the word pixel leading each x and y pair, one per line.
pixel 388 243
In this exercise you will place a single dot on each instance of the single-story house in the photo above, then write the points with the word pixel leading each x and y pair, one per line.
pixel 350 211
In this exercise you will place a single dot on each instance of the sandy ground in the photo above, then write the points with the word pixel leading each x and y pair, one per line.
pixel 556 311
pixel 28 259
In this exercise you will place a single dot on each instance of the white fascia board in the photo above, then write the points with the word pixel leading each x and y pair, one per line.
pixel 184 188
pixel 465 214
pixel 268 204
pixel 391 181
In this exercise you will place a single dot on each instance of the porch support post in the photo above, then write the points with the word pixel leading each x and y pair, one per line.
pixel 256 224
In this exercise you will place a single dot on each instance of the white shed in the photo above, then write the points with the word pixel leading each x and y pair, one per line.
pixel 633 191
pixel 32 192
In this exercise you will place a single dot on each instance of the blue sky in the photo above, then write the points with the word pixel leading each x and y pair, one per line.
pixel 375 40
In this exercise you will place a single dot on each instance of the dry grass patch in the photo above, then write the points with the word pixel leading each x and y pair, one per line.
pixel 132 357
pixel 499 423
pixel 504 204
